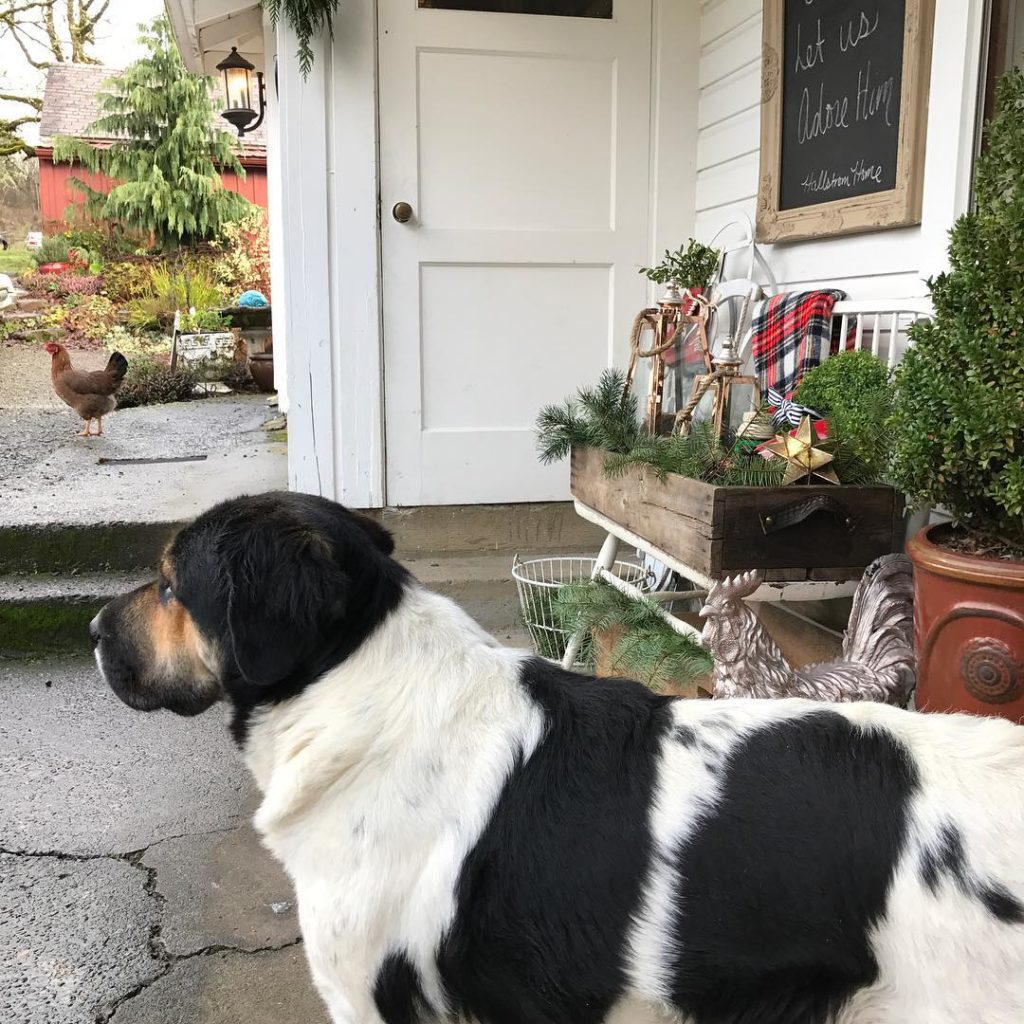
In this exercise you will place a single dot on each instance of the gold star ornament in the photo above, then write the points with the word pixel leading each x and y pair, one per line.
pixel 805 460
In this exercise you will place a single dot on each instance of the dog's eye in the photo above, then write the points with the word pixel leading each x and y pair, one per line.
pixel 166 594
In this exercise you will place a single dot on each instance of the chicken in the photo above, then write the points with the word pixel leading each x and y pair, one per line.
pixel 89 393
pixel 877 660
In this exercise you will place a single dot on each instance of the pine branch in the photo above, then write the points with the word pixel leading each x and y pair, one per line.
pixel 604 416
pixel 648 648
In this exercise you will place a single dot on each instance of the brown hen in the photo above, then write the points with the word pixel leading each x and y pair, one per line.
pixel 89 393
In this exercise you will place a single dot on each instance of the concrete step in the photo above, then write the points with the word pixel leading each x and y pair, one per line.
pixel 97 547
pixel 49 613
pixel 529 529
pixel 535 528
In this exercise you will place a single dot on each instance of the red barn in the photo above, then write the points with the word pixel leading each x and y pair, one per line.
pixel 70 106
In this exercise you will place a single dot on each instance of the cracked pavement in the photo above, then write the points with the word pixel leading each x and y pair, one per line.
pixel 132 888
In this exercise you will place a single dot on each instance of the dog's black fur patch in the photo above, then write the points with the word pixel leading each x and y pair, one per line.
pixel 289 585
pixel 397 993
pixel 781 884
pixel 546 896
pixel 1001 903
pixel 946 858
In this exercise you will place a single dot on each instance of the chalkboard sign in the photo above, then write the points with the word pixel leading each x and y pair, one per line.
pixel 844 102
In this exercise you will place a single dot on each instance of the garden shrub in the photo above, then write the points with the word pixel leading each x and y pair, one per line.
pixel 54 249
pixel 126 280
pixel 75 284
pixel 853 390
pixel 151 382
pixel 173 290
pixel 243 255
pixel 960 390
pixel 132 343
pixel 83 317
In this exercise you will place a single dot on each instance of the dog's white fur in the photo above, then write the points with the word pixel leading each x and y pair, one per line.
pixel 379 778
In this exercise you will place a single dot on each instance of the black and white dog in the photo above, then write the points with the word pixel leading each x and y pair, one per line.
pixel 475 835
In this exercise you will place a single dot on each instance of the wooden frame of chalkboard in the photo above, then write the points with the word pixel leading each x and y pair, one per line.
pixel 829 133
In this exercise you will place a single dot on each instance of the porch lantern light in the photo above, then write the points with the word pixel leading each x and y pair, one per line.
pixel 237 72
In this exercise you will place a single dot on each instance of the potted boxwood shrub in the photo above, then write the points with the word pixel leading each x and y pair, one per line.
pixel 959 418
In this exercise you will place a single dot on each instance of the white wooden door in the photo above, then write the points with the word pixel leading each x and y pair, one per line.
pixel 522 143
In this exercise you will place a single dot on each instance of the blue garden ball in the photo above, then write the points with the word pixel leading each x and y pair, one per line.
pixel 253 300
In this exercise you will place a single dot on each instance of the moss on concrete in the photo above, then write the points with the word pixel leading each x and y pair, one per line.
pixel 59 546
pixel 43 628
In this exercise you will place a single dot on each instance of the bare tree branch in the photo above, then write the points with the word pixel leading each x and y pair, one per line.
pixel 30 101
pixel 46 32
pixel 17 122
pixel 37 64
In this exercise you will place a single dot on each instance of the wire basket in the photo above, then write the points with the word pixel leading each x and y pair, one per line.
pixel 538 581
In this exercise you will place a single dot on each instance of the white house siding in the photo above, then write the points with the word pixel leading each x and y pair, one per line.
pixel 876 265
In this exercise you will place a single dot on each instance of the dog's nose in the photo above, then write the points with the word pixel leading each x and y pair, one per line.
pixel 94 630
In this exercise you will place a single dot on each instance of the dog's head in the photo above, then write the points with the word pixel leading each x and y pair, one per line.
pixel 255 599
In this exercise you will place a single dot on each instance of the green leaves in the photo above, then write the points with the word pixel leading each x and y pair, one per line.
pixel 165 155
pixel 960 390
pixel 691 266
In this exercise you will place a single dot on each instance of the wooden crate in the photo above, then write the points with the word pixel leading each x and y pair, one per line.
pixel 789 534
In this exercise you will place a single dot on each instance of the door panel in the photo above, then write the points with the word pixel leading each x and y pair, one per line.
pixel 522 145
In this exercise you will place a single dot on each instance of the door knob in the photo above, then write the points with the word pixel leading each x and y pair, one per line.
pixel 402 212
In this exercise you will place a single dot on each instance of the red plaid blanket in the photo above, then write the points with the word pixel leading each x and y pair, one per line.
pixel 791 334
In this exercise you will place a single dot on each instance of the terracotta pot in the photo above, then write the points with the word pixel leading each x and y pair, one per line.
pixel 261 366
pixel 969 630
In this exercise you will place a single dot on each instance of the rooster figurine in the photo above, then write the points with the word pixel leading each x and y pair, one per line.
pixel 878 648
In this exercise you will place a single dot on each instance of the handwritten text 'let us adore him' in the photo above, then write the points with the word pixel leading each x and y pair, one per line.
pixel 872 97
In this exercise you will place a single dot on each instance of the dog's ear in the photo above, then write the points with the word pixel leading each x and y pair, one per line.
pixel 285 592
pixel 378 534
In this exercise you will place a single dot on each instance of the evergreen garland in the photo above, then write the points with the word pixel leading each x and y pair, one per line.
pixel 166 155
pixel 648 649
pixel 607 417
pixel 306 18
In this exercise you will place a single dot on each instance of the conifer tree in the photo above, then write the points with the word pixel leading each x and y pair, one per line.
pixel 166 154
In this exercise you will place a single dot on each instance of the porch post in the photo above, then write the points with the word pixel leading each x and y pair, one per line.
pixel 302 291
pixel 355 281
pixel 275 214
